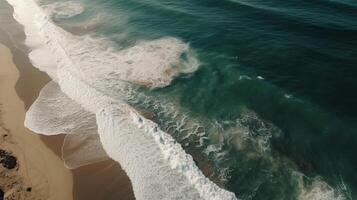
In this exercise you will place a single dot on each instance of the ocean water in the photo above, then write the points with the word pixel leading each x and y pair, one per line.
pixel 246 99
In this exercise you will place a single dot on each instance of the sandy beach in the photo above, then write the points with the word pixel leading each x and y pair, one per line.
pixel 37 154
pixel 85 180
pixel 39 173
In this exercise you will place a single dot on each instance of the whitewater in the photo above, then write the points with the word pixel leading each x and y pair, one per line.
pixel 85 72
pixel 150 83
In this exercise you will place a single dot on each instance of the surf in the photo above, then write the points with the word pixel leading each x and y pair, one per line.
pixel 71 65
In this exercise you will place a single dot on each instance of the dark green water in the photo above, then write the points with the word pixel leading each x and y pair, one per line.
pixel 276 90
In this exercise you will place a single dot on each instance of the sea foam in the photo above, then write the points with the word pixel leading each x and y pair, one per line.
pixel 318 189
pixel 82 149
pixel 64 9
pixel 88 73
pixel 55 113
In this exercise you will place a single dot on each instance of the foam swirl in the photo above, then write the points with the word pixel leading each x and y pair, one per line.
pixel 89 73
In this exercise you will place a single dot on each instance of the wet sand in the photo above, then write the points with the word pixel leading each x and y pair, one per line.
pixel 105 180
pixel 38 173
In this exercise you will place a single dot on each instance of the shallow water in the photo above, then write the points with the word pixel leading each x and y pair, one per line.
pixel 268 114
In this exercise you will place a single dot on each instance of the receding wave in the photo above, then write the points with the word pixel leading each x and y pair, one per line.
pixel 88 71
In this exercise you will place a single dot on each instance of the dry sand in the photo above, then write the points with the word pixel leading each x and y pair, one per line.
pixel 39 173
pixel 105 180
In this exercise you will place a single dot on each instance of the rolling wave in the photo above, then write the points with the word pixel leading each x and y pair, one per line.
pixel 87 71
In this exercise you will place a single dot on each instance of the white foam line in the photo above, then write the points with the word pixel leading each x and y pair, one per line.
pixel 114 115
pixel 110 114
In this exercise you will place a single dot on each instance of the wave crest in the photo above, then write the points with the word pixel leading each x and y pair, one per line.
pixel 93 75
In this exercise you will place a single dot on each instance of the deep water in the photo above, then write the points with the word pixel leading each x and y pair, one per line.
pixel 276 90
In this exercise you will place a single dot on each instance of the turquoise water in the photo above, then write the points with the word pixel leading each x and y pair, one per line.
pixel 270 113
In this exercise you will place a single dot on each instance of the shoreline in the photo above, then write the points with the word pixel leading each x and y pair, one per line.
pixel 204 187
pixel 39 173
pixel 87 179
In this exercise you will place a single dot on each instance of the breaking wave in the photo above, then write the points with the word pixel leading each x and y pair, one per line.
pixel 96 77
